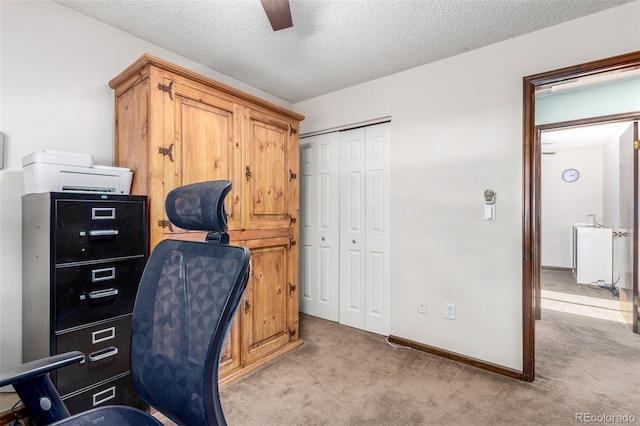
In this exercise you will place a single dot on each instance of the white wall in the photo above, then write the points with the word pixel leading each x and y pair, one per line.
pixel 567 203
pixel 457 130
pixel 55 66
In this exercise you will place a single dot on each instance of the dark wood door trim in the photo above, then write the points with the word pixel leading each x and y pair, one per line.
pixel 635 299
pixel 605 119
pixel 531 190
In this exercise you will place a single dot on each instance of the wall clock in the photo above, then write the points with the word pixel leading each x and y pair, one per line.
pixel 570 175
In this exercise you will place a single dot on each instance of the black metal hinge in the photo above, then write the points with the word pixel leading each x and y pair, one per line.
pixel 292 130
pixel 167 151
pixel 166 88
pixel 165 223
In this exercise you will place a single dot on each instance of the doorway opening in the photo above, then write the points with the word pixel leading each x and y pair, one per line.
pixel 583 248
pixel 531 270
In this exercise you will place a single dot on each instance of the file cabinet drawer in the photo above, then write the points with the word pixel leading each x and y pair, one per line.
pixel 88 230
pixel 94 292
pixel 107 347
pixel 119 391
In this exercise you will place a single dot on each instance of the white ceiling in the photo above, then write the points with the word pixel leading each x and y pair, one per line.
pixel 593 136
pixel 334 44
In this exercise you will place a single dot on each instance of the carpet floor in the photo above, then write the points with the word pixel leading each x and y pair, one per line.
pixel 587 371
pixel 585 367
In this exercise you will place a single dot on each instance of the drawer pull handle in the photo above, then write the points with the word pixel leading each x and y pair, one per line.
pixel 103 213
pixel 100 294
pixel 105 353
pixel 104 396
pixel 103 233
pixel 103 335
pixel 103 274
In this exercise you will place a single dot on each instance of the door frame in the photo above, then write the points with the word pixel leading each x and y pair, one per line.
pixel 531 158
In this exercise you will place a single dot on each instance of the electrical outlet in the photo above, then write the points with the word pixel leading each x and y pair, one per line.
pixel 422 306
pixel 450 311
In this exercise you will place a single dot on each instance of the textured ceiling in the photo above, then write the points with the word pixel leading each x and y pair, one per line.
pixel 333 44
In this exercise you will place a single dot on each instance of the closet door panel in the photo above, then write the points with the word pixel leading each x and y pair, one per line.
pixel 378 223
pixel 328 226
pixel 320 226
pixel 308 214
pixel 352 228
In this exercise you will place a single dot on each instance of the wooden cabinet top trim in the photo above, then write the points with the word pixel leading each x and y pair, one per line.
pixel 148 59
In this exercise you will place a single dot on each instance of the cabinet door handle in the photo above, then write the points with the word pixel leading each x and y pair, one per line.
pixel 100 294
pixel 105 353
pixel 247 172
pixel 103 233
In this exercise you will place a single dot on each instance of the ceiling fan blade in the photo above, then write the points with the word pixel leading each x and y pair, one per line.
pixel 278 12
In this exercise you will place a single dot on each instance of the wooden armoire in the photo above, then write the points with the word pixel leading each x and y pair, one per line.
pixel 175 127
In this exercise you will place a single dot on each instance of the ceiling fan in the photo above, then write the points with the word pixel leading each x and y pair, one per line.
pixel 278 12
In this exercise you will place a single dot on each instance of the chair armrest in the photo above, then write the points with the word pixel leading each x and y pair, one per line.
pixel 39 367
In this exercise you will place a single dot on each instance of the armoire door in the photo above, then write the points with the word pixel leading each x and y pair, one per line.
pixel 365 264
pixel 268 305
pixel 202 138
pixel 320 226
pixel 231 352
pixel 271 164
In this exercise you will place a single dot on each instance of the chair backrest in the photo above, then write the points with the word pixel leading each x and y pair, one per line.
pixel 188 294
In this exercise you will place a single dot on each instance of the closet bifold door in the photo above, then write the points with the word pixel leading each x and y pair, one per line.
pixel 320 226
pixel 365 265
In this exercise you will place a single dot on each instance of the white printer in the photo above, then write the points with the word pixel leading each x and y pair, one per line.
pixel 58 171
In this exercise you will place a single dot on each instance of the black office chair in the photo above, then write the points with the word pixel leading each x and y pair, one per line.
pixel 188 294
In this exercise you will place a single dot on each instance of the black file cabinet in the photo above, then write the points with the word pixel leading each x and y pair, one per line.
pixel 82 259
